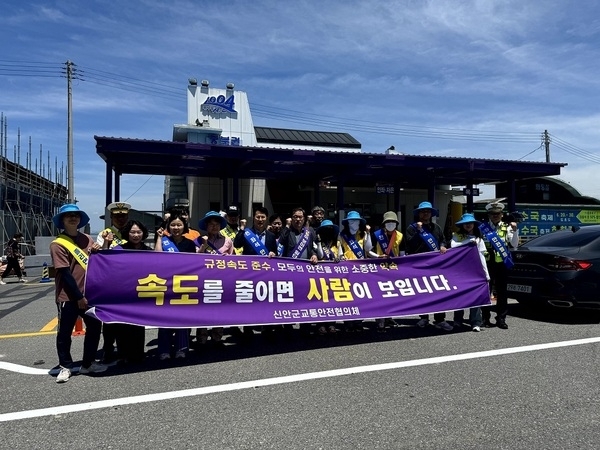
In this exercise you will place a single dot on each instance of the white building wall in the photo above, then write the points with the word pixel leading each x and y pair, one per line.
pixel 223 116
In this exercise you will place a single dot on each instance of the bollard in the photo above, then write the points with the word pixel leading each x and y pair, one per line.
pixel 45 274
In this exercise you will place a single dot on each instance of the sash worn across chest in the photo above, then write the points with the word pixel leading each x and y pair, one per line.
pixel 353 245
pixel 168 245
pixel 328 254
pixel 80 256
pixel 301 244
pixel 213 249
pixel 117 238
pixel 255 242
pixel 429 239
pixel 384 243
pixel 497 244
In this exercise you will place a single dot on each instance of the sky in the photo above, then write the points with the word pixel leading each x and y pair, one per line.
pixel 475 78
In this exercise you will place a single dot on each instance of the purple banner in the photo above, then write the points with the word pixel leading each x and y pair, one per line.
pixel 199 290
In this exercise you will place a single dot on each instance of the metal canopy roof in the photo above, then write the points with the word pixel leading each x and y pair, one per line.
pixel 137 156
pixel 304 137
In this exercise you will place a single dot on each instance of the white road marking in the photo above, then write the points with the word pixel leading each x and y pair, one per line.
pixel 8 417
pixel 24 369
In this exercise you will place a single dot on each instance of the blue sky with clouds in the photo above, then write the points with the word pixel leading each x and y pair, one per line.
pixel 478 78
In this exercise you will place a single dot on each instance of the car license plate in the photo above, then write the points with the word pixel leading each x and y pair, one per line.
pixel 519 288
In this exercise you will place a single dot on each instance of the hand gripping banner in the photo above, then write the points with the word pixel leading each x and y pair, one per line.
pixel 186 290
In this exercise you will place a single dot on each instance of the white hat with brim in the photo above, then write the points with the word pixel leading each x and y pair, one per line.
pixel 494 207
pixel 119 208
pixel 353 215
pixel 69 207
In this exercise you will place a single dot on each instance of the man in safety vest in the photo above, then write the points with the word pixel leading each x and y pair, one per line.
pixel 119 216
pixel 232 216
pixel 499 238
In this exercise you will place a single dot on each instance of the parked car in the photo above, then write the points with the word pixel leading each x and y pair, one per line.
pixel 561 269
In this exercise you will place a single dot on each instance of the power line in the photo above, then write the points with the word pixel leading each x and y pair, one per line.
pixel 524 156
pixel 575 151
pixel 137 190
pixel 170 92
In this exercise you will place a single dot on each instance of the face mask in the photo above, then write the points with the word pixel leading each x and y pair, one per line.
pixel 390 226
pixel 353 226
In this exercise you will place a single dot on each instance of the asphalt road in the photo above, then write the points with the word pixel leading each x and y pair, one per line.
pixel 536 385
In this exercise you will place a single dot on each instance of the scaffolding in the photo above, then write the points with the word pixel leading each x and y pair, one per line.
pixel 28 198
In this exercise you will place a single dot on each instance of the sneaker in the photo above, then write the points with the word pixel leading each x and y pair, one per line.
pixel 64 374
pixel 2 282
pixel 322 330
pixel 164 356
pixel 332 329
pixel 443 325
pixel 488 324
pixel 423 323
pixel 180 354
pixel 476 329
pixel 22 280
pixel 93 368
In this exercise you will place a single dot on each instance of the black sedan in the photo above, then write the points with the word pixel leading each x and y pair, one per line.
pixel 561 269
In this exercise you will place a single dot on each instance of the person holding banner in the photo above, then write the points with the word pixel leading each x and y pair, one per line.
pixel 388 243
pixel 214 243
pixel 109 238
pixel 275 227
pixel 184 213
pixel 354 243
pixel 175 243
pixel 298 242
pixel 499 238
pixel 130 338
pixel 327 242
pixel 256 240
pixel 468 233
pixel 232 217
pixel 427 236
pixel 69 252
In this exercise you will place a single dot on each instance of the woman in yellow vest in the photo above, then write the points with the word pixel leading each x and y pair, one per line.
pixel 327 250
pixel 354 243
pixel 388 243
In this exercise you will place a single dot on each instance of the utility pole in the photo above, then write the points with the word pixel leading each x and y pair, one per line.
pixel 547 145
pixel 70 180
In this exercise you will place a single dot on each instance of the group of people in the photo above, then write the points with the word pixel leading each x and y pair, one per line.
pixel 312 238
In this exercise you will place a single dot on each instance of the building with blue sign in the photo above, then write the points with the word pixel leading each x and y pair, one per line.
pixel 220 157
pixel 549 204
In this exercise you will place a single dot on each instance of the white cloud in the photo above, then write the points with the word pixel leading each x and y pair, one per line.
pixel 498 68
